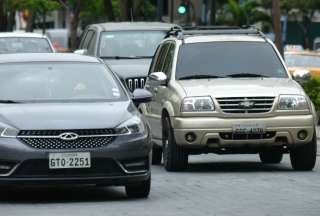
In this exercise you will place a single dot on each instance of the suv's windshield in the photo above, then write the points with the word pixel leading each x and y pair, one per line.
pixel 57 82
pixel 228 59
pixel 24 45
pixel 129 44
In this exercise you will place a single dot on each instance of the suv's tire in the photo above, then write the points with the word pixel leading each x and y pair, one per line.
pixel 156 156
pixel 175 158
pixel 139 190
pixel 303 158
pixel 271 157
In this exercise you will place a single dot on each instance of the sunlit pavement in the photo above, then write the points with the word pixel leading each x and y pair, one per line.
pixel 212 185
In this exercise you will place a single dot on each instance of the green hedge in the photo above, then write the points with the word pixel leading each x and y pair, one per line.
pixel 312 88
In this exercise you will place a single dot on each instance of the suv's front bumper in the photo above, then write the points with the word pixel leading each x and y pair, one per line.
pixel 209 131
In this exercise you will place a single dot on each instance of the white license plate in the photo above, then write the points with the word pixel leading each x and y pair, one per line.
pixel 69 160
pixel 249 128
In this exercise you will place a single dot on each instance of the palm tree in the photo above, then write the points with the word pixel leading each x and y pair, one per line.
pixel 245 13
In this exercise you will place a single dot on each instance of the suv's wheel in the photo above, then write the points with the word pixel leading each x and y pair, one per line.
pixel 271 156
pixel 139 190
pixel 156 155
pixel 175 157
pixel 303 157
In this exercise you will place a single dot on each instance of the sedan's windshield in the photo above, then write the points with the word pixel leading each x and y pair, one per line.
pixel 57 82
pixel 293 60
pixel 228 59
pixel 24 45
pixel 129 44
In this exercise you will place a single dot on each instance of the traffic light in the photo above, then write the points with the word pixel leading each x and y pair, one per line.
pixel 183 8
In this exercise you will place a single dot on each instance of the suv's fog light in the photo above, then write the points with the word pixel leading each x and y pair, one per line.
pixel 191 137
pixel 302 135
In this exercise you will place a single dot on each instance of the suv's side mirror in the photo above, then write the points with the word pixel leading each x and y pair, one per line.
pixel 141 96
pixel 159 77
pixel 301 76
pixel 81 51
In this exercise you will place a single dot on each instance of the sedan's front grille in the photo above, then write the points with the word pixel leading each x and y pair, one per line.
pixel 245 104
pixel 55 139
pixel 57 143
pixel 134 83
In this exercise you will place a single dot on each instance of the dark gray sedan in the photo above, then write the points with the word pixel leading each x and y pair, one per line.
pixel 66 118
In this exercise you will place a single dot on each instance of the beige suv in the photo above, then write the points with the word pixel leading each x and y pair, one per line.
pixel 227 91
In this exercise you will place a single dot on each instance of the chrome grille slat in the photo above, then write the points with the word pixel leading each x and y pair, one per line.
pixel 257 104
pixel 136 82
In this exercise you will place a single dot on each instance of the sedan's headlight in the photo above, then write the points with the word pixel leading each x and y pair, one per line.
pixel 131 126
pixel 292 102
pixel 197 104
pixel 8 131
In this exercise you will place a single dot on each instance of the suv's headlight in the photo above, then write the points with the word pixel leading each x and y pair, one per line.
pixel 292 102
pixel 197 104
pixel 8 131
pixel 131 126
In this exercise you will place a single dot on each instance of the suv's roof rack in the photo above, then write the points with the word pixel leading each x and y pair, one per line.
pixel 214 30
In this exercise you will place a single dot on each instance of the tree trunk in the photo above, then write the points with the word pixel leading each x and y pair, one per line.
pixel 74 23
pixel 44 21
pixel 30 21
pixel 277 25
pixel 213 10
pixel 3 16
pixel 124 10
pixel 109 10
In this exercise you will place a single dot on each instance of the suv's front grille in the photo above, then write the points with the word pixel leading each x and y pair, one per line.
pixel 245 104
pixel 51 139
pixel 134 83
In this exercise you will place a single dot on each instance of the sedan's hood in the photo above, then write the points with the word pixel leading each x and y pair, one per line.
pixel 64 115
pixel 240 87
pixel 126 68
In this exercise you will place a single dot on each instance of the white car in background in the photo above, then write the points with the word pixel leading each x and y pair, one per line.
pixel 22 42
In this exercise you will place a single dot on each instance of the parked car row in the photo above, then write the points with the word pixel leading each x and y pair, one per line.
pixel 139 93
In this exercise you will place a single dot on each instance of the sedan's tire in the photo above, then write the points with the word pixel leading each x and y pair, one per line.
pixel 156 156
pixel 175 158
pixel 139 190
pixel 303 158
pixel 271 157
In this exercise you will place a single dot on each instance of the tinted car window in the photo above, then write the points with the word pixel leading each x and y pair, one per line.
pixel 223 59
pixel 87 39
pixel 58 82
pixel 169 59
pixel 129 43
pixel 160 59
pixel 24 45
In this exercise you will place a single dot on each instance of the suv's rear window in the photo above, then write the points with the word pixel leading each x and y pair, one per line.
pixel 225 59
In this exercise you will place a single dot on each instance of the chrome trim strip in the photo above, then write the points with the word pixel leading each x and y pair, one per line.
pixel 11 171
pixel 129 172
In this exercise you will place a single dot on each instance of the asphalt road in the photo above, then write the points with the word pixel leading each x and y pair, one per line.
pixel 213 185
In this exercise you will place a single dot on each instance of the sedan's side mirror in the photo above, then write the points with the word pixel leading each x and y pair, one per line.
pixel 141 96
pixel 301 76
pixel 81 51
pixel 159 77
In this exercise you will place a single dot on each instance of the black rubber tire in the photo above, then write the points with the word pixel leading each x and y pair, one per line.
pixel 271 157
pixel 139 190
pixel 303 158
pixel 175 158
pixel 156 156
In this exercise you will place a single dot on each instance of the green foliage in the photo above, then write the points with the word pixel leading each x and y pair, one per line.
pixel 312 88
pixel 39 6
pixel 245 13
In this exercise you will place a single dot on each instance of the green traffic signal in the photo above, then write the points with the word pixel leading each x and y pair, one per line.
pixel 182 9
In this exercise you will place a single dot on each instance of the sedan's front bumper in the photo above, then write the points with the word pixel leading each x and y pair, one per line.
pixel 124 161
pixel 218 132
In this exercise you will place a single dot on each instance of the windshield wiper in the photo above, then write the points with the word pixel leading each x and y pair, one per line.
pixel 9 101
pixel 199 77
pixel 236 75
pixel 125 57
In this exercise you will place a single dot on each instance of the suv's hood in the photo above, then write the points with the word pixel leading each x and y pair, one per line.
pixel 126 68
pixel 64 115
pixel 231 87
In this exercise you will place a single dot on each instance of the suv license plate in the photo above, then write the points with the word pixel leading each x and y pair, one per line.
pixel 248 128
pixel 69 160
